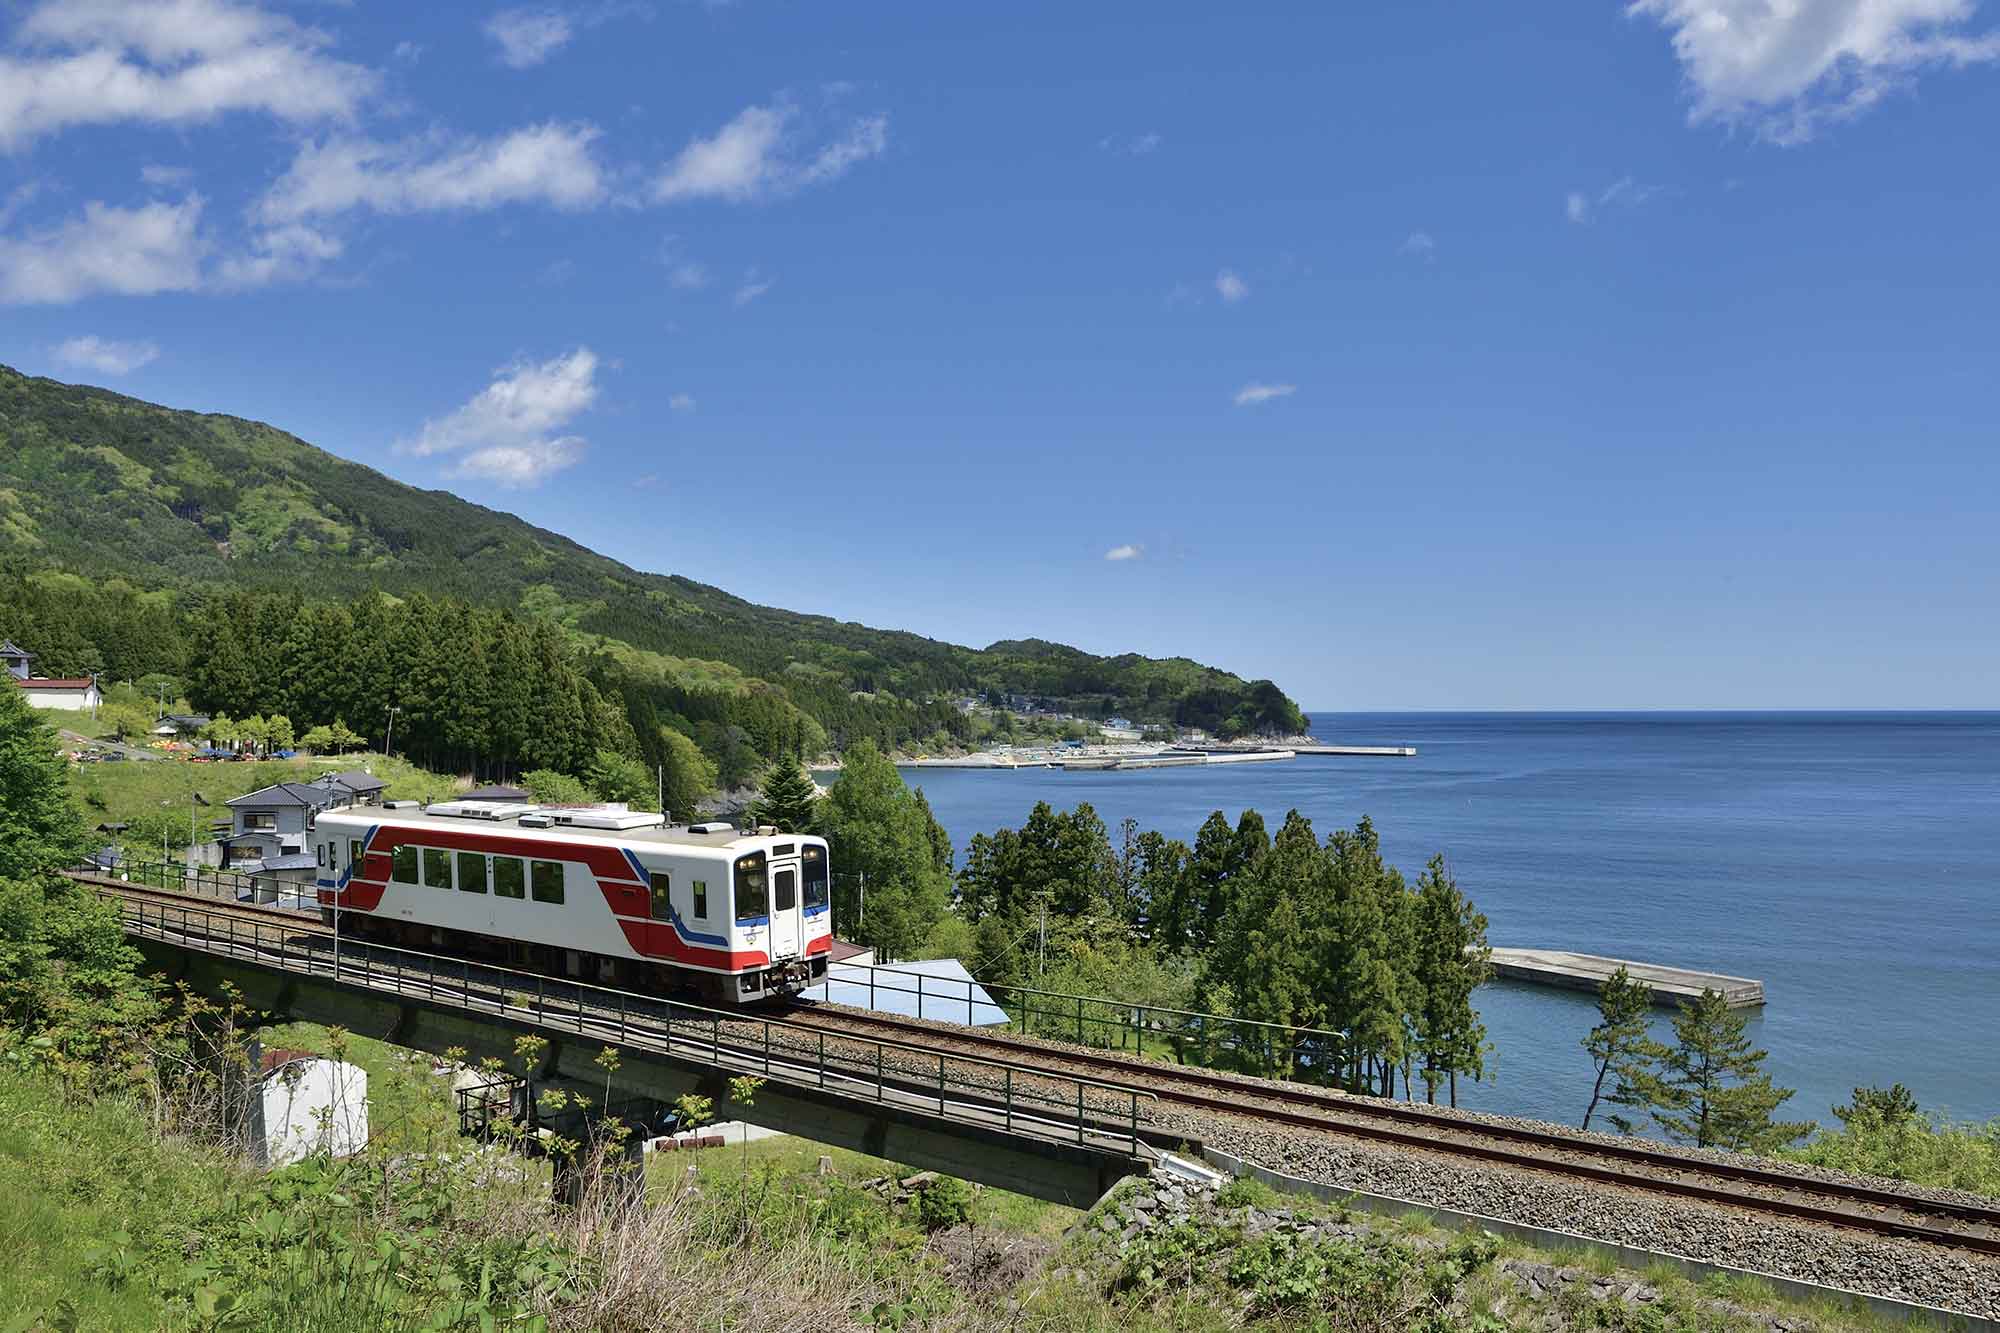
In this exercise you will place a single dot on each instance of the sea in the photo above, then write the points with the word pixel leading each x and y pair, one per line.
pixel 1851 861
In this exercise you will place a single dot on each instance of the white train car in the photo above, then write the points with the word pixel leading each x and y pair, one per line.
pixel 600 894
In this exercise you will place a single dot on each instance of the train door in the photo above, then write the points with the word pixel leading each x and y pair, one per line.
pixel 786 916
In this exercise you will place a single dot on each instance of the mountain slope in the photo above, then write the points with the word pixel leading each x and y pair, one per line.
pixel 102 484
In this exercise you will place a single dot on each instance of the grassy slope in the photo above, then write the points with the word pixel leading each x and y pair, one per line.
pixel 202 500
pixel 110 793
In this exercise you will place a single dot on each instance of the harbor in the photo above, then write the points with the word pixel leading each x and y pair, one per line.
pixel 1583 971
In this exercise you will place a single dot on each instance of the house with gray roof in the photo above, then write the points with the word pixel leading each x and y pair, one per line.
pixel 271 822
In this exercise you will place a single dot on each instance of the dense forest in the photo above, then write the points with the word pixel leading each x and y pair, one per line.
pixel 132 535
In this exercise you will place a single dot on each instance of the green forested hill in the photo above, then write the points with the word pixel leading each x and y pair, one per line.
pixel 204 507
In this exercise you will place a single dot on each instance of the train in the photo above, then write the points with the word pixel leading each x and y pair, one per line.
pixel 600 894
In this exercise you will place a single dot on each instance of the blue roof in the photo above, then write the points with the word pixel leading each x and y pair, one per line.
pixel 939 989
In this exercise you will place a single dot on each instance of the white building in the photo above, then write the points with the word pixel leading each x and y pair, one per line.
pixel 70 695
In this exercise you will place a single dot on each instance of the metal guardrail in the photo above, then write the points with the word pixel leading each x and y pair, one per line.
pixel 1190 1036
pixel 967 1088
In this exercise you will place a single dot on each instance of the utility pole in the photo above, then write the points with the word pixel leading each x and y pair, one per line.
pixel 661 774
pixel 390 733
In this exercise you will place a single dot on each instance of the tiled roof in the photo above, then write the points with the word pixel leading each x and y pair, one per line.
pixel 60 683
pixel 284 793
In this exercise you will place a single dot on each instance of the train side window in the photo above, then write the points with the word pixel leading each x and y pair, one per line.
pixel 701 900
pixel 354 855
pixel 403 862
pixel 663 903
pixel 548 881
pixel 471 872
pixel 437 868
pixel 509 877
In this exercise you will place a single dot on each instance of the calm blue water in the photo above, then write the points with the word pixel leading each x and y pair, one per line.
pixel 1851 861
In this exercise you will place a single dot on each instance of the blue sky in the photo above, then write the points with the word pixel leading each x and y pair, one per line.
pixel 1414 356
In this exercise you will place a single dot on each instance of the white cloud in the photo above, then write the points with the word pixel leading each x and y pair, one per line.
pixel 1253 393
pixel 1125 552
pixel 123 251
pixel 289 253
pixel 167 62
pixel 1230 287
pixel 166 177
pixel 1418 243
pixel 551 163
pixel 687 275
pixel 105 356
pixel 527 37
pixel 1138 144
pixel 1624 192
pixel 681 402
pixel 751 158
pixel 407 52
pixel 1786 68
pixel 754 286
pixel 510 432
pixel 519 465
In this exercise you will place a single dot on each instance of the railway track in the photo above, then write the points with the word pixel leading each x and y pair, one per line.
pixel 1950 1224
pixel 1658 1171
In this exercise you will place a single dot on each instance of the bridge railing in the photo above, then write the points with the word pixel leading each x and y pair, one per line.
pixel 200 881
pixel 996 1093
pixel 1186 1036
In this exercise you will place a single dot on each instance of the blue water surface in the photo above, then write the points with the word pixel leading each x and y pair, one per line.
pixel 1849 860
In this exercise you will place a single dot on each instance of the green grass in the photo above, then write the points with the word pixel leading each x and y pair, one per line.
pixel 74 1179
pixel 790 1160
pixel 120 793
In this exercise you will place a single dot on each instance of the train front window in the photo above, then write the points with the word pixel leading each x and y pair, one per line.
pixel 753 890
pixel 814 867
pixel 785 895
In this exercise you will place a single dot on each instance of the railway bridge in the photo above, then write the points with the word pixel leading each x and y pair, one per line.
pixel 1056 1136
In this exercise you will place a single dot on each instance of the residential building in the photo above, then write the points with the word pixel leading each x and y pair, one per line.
pixel 15 659
pixel 270 823
pixel 356 787
pixel 74 694
pixel 181 724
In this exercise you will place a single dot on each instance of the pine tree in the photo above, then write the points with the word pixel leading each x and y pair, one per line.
pixel 39 829
pixel 1712 1090
pixel 1449 962
pixel 789 801
pixel 1621 1046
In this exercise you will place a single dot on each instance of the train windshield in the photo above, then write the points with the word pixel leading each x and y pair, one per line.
pixel 813 863
pixel 753 890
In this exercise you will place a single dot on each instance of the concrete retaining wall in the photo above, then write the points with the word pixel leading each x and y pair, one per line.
pixel 1920 1316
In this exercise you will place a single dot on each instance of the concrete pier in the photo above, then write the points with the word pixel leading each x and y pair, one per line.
pixel 1366 751
pixel 1585 971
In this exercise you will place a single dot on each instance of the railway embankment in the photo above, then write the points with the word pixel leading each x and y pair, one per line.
pixel 1927 1247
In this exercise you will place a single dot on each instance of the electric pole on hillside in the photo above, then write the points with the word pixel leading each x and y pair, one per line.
pixel 390 733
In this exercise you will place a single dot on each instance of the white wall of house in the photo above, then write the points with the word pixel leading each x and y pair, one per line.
pixel 68 701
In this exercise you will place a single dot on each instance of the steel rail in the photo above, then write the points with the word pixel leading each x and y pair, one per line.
pixel 1653 1161
pixel 268 936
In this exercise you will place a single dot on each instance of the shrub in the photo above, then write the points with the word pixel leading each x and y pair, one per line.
pixel 943 1203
